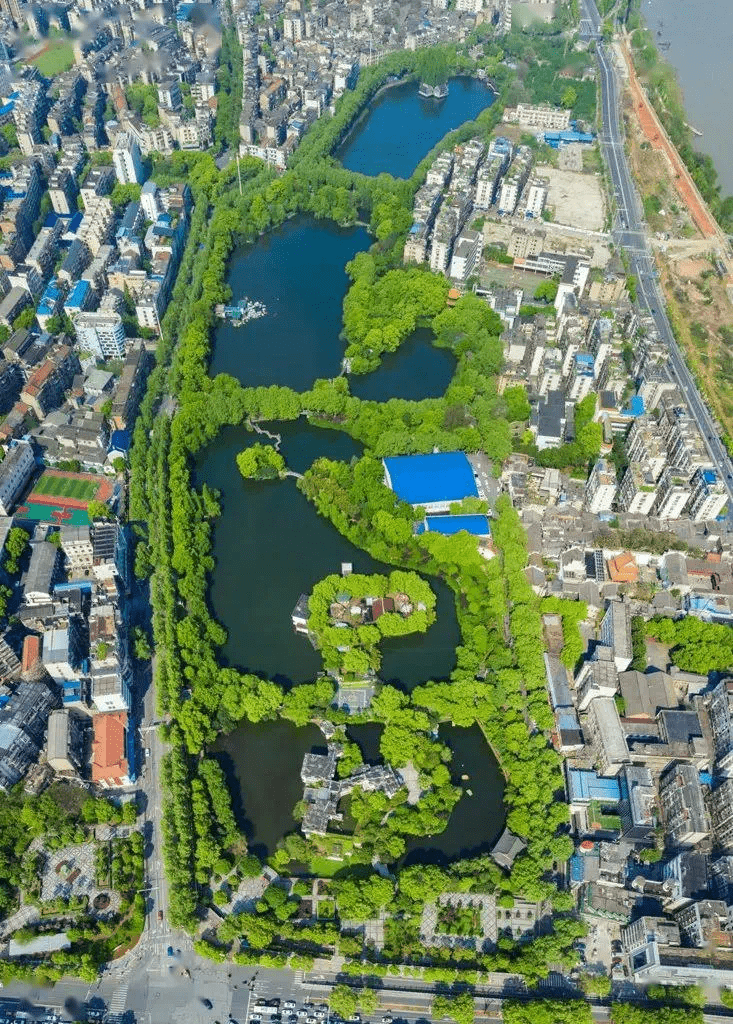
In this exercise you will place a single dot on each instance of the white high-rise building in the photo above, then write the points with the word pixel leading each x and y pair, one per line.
pixel 600 491
pixel 150 201
pixel 708 495
pixel 101 333
pixel 127 160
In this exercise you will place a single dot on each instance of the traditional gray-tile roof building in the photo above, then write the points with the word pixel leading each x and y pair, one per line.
pixel 320 767
pixel 507 848
pixel 645 694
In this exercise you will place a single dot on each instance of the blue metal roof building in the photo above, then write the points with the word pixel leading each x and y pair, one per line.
pixel 557 139
pixel 636 407
pixel 79 298
pixel 449 525
pixel 584 786
pixel 50 302
pixel 434 481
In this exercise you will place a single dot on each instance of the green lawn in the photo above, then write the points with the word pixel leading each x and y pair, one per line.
pixel 66 487
pixel 57 57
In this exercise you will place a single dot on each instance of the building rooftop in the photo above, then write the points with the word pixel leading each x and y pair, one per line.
pixel 40 944
pixel 584 786
pixel 448 525
pixel 424 479
pixel 645 694
pixel 557 681
pixel 40 575
pixel 109 762
pixel 680 726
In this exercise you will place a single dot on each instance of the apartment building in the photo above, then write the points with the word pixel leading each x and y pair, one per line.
pixel 683 806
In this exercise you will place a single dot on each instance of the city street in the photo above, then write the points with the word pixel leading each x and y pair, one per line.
pixel 629 232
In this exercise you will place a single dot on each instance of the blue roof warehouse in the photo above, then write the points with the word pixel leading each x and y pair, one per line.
pixel 448 525
pixel 432 481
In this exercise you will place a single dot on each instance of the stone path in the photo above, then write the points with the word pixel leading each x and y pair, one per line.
pixel 411 779
pixel 55 884
pixel 27 914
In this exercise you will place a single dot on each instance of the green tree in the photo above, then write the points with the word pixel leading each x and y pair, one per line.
pixel 569 97
pixel 99 510
pixel 122 194
pixel 596 984
pixel 261 462
pixel 459 1008
pixel 518 409
pixel 25 319
pixel 343 1001
pixel 547 290
pixel 16 544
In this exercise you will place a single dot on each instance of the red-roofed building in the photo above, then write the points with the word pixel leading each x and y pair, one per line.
pixel 31 652
pixel 109 750
pixel 380 606
pixel 623 568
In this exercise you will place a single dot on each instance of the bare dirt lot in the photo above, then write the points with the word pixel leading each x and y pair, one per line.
pixel 575 199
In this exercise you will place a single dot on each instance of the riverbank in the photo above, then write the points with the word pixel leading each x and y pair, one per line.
pixel 692 250
pixel 686 35
pixel 665 95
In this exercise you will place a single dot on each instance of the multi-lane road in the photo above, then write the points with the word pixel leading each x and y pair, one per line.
pixel 629 232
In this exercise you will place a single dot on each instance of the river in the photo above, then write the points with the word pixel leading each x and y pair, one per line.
pixel 701 38
pixel 400 127
pixel 269 543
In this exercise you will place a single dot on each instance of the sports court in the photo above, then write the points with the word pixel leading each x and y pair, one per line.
pixel 61 497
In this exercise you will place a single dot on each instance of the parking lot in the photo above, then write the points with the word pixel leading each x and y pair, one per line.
pixel 289 1011
pixel 39 1015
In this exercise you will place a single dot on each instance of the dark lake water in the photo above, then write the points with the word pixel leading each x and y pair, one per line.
pixel 262 763
pixel 400 128
pixel 297 270
pixel 477 820
pixel 271 545
pixel 415 371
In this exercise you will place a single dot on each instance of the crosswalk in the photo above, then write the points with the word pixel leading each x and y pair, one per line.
pixel 553 980
pixel 116 1008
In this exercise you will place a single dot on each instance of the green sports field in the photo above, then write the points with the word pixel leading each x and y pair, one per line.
pixel 56 57
pixel 66 487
